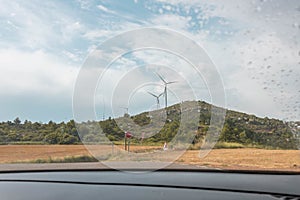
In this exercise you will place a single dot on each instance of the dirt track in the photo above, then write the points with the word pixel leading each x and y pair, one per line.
pixel 249 159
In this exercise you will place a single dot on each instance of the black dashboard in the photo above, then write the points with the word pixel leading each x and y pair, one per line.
pixel 174 184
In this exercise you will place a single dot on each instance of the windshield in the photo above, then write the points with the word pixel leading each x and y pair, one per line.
pixel 151 84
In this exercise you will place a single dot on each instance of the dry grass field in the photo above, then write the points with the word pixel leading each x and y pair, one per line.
pixel 244 159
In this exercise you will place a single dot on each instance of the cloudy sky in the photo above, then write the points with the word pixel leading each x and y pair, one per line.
pixel 254 45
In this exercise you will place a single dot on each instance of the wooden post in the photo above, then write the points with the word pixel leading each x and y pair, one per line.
pixel 128 144
pixel 125 143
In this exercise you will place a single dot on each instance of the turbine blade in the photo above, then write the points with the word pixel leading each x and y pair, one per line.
pixel 152 94
pixel 161 78
pixel 171 82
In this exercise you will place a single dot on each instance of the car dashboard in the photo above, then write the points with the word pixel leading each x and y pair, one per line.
pixel 141 184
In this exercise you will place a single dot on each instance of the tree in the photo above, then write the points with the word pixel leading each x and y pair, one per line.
pixel 52 138
pixel 243 137
pixel 68 139
pixel 17 121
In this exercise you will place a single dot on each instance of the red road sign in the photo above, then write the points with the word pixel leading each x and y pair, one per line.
pixel 128 135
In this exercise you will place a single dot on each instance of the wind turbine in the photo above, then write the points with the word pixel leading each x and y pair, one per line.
pixel 157 98
pixel 166 88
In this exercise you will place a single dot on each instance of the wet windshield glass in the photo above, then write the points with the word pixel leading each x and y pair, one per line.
pixel 204 84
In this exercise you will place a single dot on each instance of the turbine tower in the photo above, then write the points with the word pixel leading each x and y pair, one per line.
pixel 103 116
pixel 166 88
pixel 126 110
pixel 157 98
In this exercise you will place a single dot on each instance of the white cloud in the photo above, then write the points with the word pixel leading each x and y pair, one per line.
pixel 105 9
pixel 85 4
pixel 36 73
pixel 101 34
pixel 98 34
pixel 39 26
pixel 168 20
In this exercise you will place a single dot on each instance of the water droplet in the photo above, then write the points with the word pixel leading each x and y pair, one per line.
pixel 250 63
pixel 295 25
pixel 269 66
pixel 258 8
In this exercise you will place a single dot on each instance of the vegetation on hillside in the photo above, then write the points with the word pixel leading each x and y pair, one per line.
pixel 240 128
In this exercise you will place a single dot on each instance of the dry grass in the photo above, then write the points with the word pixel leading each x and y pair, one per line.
pixel 246 158
pixel 19 153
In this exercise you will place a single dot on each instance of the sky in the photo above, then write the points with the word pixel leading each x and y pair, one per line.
pixel 253 44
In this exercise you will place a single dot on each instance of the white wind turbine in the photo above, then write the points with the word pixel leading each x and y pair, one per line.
pixel 166 88
pixel 157 99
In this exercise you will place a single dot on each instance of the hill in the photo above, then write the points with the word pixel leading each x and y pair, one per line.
pixel 241 128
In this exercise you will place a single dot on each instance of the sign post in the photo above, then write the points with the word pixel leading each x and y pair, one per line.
pixel 128 145
pixel 125 143
pixel 128 135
